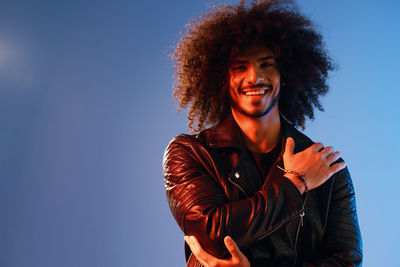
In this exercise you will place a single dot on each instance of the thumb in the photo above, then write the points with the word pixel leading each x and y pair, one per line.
pixel 232 247
pixel 289 147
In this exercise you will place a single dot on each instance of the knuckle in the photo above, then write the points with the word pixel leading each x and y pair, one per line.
pixel 318 144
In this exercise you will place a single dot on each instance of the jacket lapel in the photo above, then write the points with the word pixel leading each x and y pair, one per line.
pixel 227 134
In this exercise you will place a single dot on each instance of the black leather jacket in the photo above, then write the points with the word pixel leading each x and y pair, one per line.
pixel 206 180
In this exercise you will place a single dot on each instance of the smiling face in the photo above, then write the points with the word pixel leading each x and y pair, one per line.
pixel 254 82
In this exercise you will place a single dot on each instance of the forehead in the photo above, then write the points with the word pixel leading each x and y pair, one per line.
pixel 253 52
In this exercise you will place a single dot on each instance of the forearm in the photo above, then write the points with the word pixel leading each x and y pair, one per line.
pixel 246 221
pixel 201 207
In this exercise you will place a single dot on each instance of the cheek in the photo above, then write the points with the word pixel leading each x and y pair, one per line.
pixel 232 93
pixel 273 77
pixel 277 76
pixel 277 80
pixel 235 81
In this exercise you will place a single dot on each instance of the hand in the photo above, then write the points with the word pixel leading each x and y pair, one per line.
pixel 238 259
pixel 314 163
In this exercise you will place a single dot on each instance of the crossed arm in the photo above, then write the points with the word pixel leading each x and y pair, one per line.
pixel 207 215
pixel 342 221
pixel 201 208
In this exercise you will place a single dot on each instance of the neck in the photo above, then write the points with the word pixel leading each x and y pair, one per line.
pixel 259 134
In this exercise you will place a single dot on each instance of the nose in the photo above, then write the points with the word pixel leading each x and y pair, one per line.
pixel 254 75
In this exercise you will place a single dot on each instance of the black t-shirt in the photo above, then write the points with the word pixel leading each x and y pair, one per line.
pixel 264 162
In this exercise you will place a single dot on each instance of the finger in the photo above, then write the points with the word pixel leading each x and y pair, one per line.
pixel 327 151
pixel 195 246
pixel 289 147
pixel 317 147
pixel 197 250
pixel 337 167
pixel 187 239
pixel 232 247
pixel 333 157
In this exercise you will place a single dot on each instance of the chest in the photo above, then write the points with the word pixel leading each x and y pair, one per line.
pixel 240 177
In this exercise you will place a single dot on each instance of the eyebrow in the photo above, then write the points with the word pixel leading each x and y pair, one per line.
pixel 266 58
pixel 238 61
pixel 241 61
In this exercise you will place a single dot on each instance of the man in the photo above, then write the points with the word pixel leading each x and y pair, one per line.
pixel 253 190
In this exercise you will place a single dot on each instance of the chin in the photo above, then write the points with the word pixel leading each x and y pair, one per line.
pixel 258 114
pixel 252 113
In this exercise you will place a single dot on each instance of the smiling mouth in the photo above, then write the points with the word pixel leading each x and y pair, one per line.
pixel 256 92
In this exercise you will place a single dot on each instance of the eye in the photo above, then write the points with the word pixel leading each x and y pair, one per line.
pixel 238 68
pixel 266 64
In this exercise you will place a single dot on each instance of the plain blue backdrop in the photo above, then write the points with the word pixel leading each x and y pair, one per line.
pixel 86 113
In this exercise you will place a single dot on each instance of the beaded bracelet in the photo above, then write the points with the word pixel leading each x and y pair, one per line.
pixel 298 175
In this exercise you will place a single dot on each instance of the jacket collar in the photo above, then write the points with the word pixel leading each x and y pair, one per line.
pixel 228 134
pixel 225 134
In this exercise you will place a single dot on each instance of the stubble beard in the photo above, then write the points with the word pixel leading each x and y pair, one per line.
pixel 260 114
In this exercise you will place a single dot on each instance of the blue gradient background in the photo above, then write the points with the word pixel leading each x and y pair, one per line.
pixel 86 112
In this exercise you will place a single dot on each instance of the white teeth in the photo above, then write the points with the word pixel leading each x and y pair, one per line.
pixel 256 92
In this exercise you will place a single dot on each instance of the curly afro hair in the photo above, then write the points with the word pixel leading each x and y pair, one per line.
pixel 202 58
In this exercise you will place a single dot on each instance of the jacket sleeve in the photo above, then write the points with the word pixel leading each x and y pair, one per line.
pixel 201 208
pixel 342 245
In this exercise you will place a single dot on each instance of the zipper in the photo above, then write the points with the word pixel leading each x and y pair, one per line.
pixel 238 186
pixel 279 226
pixel 299 226
pixel 301 221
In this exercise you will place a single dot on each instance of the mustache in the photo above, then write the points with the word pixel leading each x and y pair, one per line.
pixel 256 86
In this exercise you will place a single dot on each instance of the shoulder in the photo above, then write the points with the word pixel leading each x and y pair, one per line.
pixel 343 182
pixel 182 148
pixel 181 139
pixel 179 144
pixel 190 141
pixel 185 157
pixel 301 140
pixel 182 142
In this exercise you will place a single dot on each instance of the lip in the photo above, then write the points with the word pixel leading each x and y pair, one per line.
pixel 259 91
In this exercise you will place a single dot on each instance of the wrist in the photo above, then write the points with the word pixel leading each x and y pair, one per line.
pixel 297 182
pixel 297 179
